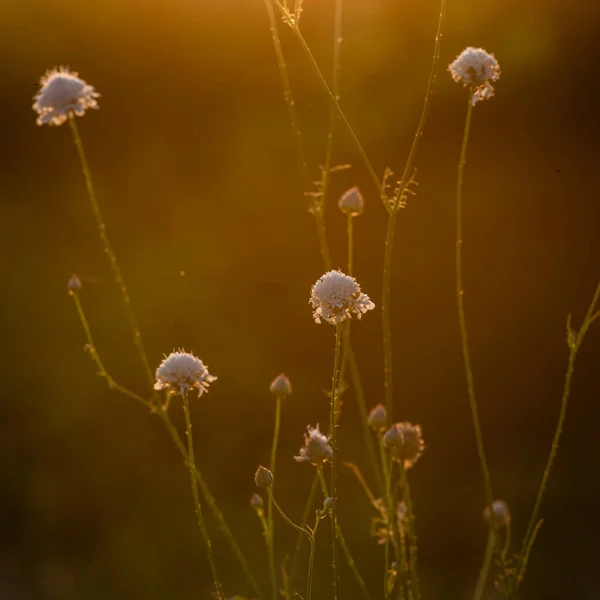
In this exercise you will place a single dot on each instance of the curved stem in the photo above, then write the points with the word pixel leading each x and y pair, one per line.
pixel 461 312
pixel 112 259
pixel 485 567
pixel 575 339
pixel 197 506
pixel 271 535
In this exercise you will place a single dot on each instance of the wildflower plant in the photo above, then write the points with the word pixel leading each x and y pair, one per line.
pixel 393 449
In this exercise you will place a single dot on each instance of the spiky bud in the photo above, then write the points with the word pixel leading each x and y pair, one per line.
pixel 263 478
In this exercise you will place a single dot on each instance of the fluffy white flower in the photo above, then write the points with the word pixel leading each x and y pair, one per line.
pixel 476 68
pixel 337 297
pixel 406 442
pixel 316 447
pixel 62 92
pixel 182 371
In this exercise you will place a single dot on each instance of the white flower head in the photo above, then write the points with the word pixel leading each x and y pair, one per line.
pixel 316 447
pixel 337 297
pixel 182 371
pixel 406 442
pixel 476 68
pixel 61 94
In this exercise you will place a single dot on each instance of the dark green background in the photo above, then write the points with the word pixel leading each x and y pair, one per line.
pixel 196 171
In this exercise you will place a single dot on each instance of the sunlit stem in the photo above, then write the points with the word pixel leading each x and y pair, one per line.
pixel 307 509
pixel 487 563
pixel 343 544
pixel 334 457
pixel 388 471
pixel 412 535
pixel 197 506
pixel 157 408
pixel 574 339
pixel 309 533
pixel 461 311
pixel 271 535
pixel 110 255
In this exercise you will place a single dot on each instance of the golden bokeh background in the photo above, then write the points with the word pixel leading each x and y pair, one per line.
pixel 195 168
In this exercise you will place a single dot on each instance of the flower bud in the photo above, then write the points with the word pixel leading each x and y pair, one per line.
pixel 256 502
pixel 328 503
pixel 392 437
pixel 377 417
pixel 501 514
pixel 281 386
pixel 406 442
pixel 263 478
pixel 74 285
pixel 351 203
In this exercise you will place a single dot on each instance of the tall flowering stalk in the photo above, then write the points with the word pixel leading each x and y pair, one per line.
pixel 62 96
pixel 336 297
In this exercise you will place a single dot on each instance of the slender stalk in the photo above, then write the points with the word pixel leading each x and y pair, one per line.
pixel 197 506
pixel 343 544
pixel 308 533
pixel 461 311
pixel 487 563
pixel 412 535
pixel 350 228
pixel 334 457
pixel 386 316
pixel 388 470
pixel 287 90
pixel 574 339
pixel 271 535
pixel 112 259
pixel 307 508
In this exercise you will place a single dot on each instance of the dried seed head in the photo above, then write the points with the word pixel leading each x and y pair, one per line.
pixel 406 442
pixel 316 447
pixel 378 417
pixel 263 478
pixel 476 68
pixel 501 514
pixel 352 203
pixel 62 93
pixel 336 297
pixel 182 371
pixel 74 285
pixel 281 386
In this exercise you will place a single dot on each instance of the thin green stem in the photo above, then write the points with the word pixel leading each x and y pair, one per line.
pixel 574 339
pixel 112 259
pixel 271 536
pixel 461 311
pixel 334 458
pixel 386 316
pixel 197 506
pixel 412 534
pixel 157 408
pixel 350 228
pixel 287 90
pixel 343 544
pixel 286 518
pixel 487 564
pixel 307 509
pixel 388 470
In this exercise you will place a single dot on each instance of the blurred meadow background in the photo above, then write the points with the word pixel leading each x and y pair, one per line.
pixel 195 168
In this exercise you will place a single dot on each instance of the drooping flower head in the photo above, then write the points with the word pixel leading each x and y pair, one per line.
pixel 181 371
pixel 336 297
pixel 476 68
pixel 406 442
pixel 62 93
pixel 316 447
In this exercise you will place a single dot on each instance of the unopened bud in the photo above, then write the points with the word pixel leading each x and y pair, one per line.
pixel 263 478
pixel 352 203
pixel 328 503
pixel 281 386
pixel 377 417
pixel 392 437
pixel 501 514
pixel 74 285
pixel 256 502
